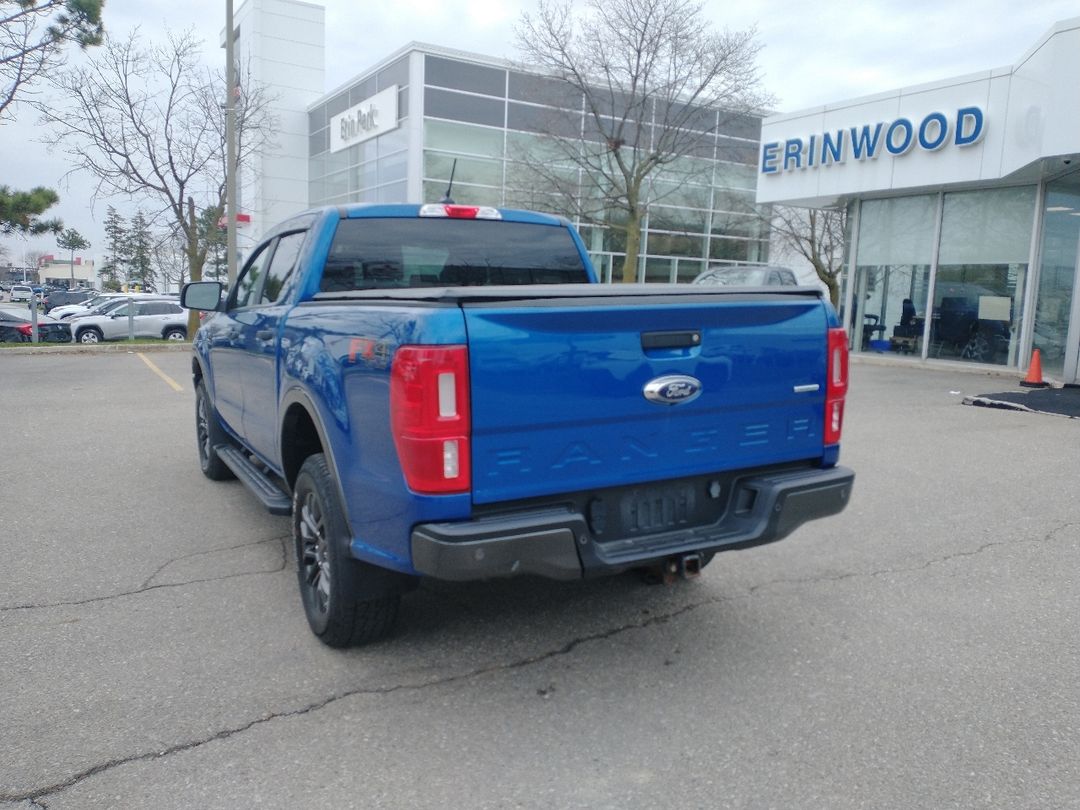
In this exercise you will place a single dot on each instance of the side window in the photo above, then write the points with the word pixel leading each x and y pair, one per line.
pixel 281 267
pixel 788 277
pixel 250 279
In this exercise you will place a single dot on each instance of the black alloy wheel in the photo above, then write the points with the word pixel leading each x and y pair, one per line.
pixel 209 434
pixel 341 607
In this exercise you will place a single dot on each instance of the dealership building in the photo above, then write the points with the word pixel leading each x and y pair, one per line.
pixel 397 131
pixel 963 201
pixel 963 196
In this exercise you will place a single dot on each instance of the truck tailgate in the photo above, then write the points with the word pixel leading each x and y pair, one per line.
pixel 558 387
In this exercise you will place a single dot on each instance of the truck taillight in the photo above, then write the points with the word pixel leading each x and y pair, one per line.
pixel 429 417
pixel 836 385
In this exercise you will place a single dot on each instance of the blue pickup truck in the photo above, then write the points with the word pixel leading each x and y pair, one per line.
pixel 446 391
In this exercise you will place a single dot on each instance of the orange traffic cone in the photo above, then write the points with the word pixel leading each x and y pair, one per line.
pixel 1034 378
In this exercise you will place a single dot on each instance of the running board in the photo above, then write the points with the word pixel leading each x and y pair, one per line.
pixel 261 485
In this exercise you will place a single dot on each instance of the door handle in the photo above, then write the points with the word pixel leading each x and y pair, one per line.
pixel 265 334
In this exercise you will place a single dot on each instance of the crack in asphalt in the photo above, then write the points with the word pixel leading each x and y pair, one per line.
pixel 165 565
pixel 1048 537
pixel 58 787
pixel 35 796
pixel 146 587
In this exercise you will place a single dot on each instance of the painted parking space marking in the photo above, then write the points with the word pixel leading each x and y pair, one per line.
pixel 169 380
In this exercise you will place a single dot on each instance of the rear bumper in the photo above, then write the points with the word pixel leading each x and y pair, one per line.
pixel 556 542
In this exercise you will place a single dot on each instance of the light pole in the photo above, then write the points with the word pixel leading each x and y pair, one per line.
pixel 230 145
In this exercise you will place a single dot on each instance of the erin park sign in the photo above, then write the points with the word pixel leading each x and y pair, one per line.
pixel 372 116
pixel 869 141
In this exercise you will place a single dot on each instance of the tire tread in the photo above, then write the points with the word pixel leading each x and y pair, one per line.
pixel 351 621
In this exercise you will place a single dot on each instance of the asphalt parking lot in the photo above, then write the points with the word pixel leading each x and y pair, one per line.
pixel 918 651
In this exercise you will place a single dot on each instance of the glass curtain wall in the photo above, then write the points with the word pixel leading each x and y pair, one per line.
pixel 372 171
pixel 892 273
pixel 981 274
pixel 1057 273
pixel 495 123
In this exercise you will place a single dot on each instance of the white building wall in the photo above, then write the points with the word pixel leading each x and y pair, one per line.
pixel 282 43
pixel 84 271
pixel 1044 109
pixel 1031 112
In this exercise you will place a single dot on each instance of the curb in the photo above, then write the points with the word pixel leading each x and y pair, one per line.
pixel 99 348
pixel 876 359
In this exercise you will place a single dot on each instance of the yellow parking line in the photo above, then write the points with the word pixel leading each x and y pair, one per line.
pixel 175 385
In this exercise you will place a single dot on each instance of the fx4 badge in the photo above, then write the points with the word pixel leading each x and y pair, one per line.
pixel 672 389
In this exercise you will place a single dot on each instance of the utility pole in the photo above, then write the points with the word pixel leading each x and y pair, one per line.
pixel 230 144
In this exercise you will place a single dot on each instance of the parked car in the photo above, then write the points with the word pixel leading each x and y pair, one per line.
pixel 21 292
pixel 745 276
pixel 158 318
pixel 95 304
pixel 58 298
pixel 15 327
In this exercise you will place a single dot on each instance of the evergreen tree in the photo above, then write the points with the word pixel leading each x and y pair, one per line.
pixel 212 239
pixel 116 235
pixel 20 211
pixel 140 247
pixel 33 37
pixel 72 240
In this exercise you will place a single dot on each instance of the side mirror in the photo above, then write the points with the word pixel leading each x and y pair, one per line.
pixel 202 295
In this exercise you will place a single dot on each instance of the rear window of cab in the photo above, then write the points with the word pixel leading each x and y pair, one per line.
pixel 380 253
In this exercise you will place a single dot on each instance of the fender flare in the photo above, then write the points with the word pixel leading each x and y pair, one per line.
pixel 298 396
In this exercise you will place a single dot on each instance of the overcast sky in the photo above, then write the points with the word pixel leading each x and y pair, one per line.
pixel 813 53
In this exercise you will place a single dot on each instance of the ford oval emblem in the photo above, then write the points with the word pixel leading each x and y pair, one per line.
pixel 672 389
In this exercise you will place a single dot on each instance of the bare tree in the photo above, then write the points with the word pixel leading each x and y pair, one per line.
pixel 147 122
pixel 170 259
pixel 654 83
pixel 33 34
pixel 32 262
pixel 816 234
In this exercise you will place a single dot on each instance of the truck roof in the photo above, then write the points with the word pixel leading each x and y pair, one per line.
pixel 411 210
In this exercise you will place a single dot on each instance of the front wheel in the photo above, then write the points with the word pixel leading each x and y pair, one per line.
pixel 333 584
pixel 89 336
pixel 209 433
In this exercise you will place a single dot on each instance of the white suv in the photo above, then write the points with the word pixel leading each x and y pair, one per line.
pixel 86 307
pixel 20 292
pixel 162 318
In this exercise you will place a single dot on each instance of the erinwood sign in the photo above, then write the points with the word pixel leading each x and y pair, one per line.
pixel 372 116
pixel 868 141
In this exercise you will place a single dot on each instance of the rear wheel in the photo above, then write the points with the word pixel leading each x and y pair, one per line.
pixel 89 335
pixel 209 434
pixel 175 333
pixel 341 599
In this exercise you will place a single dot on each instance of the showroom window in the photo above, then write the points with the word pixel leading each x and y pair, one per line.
pixel 981 274
pixel 892 274
pixel 1058 269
